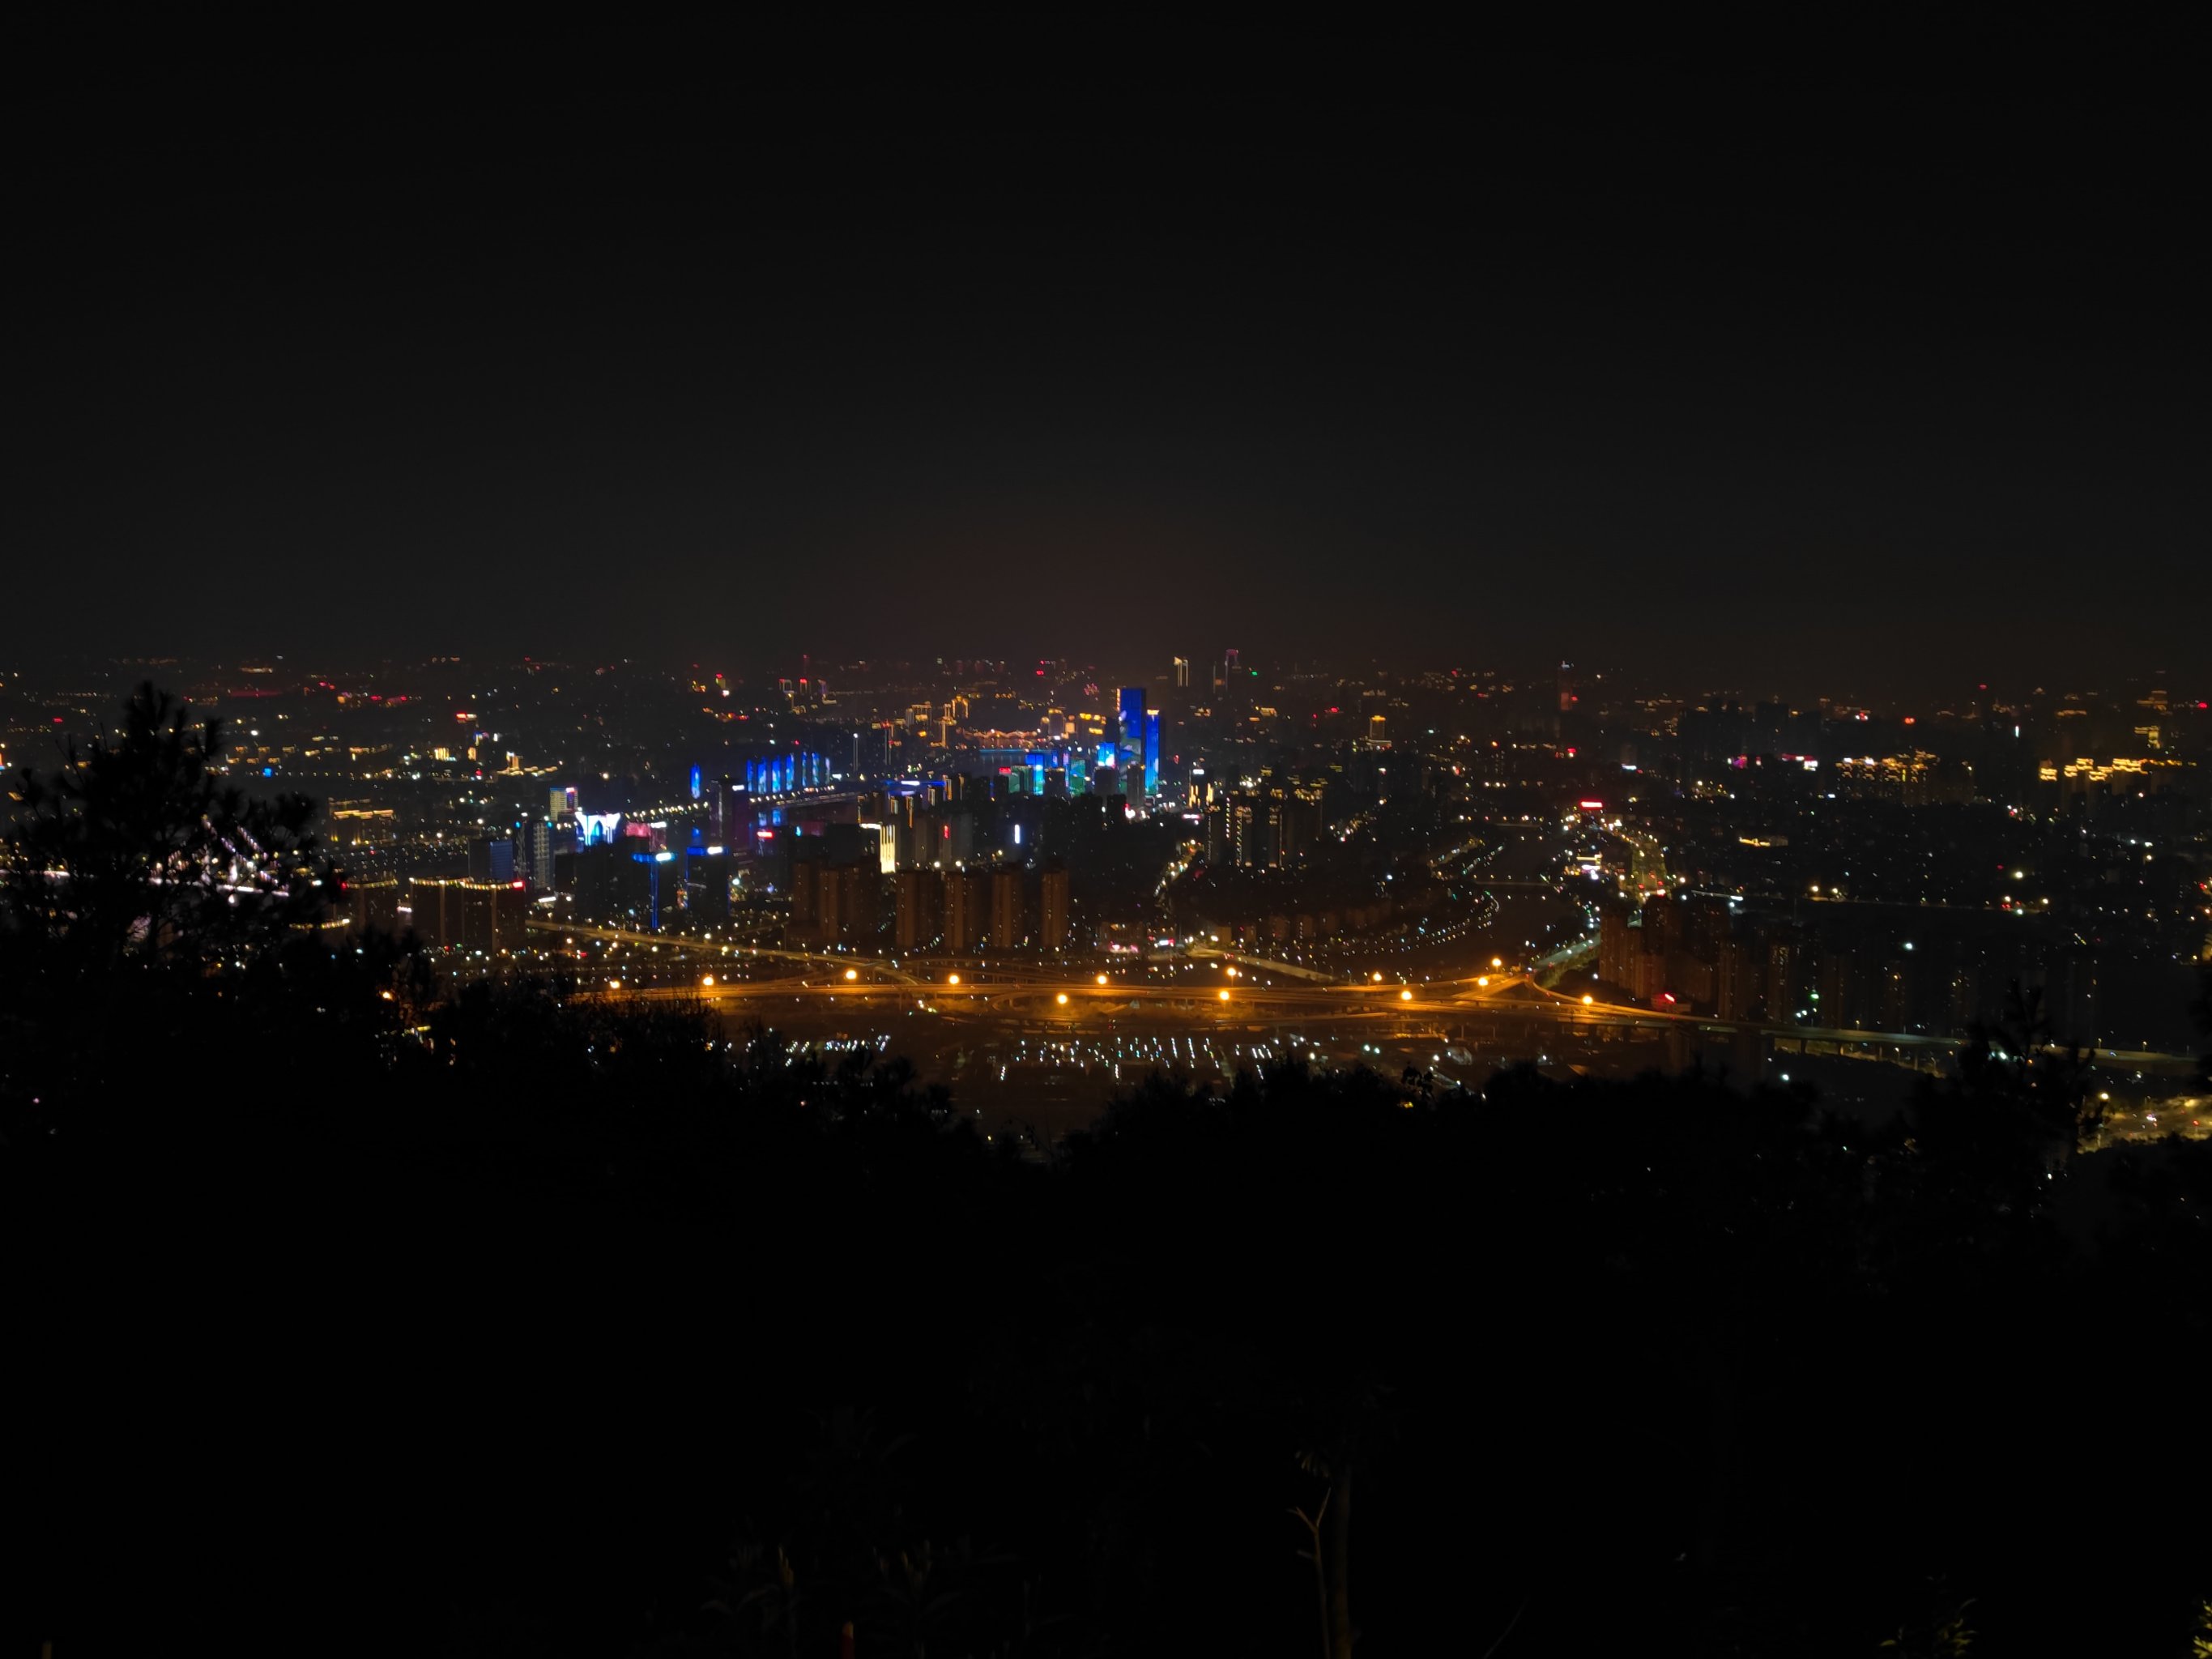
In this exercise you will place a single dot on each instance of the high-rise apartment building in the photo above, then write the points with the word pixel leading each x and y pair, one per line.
pixel 967 909
pixel 1008 913
pixel 436 904
pixel 492 914
pixel 1052 905
pixel 914 896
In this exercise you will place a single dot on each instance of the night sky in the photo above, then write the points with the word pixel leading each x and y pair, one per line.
pixel 1817 369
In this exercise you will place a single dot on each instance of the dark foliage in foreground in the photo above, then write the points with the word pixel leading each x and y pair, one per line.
pixel 569 1329
pixel 346 1316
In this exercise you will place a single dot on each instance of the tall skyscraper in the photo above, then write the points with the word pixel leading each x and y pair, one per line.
pixel 491 859
pixel 1180 672
pixel 706 887
pixel 540 840
pixel 1152 753
pixel 1132 732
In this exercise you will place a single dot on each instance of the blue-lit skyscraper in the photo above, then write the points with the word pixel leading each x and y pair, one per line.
pixel 1152 753
pixel 1131 731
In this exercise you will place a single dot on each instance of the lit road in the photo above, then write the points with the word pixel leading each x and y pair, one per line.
pixel 676 942
pixel 1215 998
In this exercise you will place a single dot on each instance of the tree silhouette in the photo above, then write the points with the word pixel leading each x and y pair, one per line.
pixel 2021 1104
pixel 134 851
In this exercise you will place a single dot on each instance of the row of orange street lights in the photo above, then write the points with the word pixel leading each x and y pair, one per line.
pixel 1404 995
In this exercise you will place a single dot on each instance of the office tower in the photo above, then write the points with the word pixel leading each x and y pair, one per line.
pixel 851 843
pixel 1179 672
pixel 1244 829
pixel 729 817
pixel 1007 911
pixel 1129 731
pixel 647 887
pixel 1378 733
pixel 593 880
pixel 1052 905
pixel 1152 753
pixel 542 842
pixel 491 859
pixel 707 887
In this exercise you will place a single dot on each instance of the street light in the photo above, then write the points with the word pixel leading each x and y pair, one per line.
pixel 1101 979
pixel 852 973
pixel 1062 999
pixel 1406 996
pixel 1588 999
pixel 1224 995
pixel 953 979
pixel 708 981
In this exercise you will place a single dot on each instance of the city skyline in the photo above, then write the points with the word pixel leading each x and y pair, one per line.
pixel 848 837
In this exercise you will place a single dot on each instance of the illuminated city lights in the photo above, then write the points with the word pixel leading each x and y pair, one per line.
pixel 1709 521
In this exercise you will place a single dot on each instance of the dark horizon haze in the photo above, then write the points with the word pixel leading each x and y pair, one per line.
pixel 1845 372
